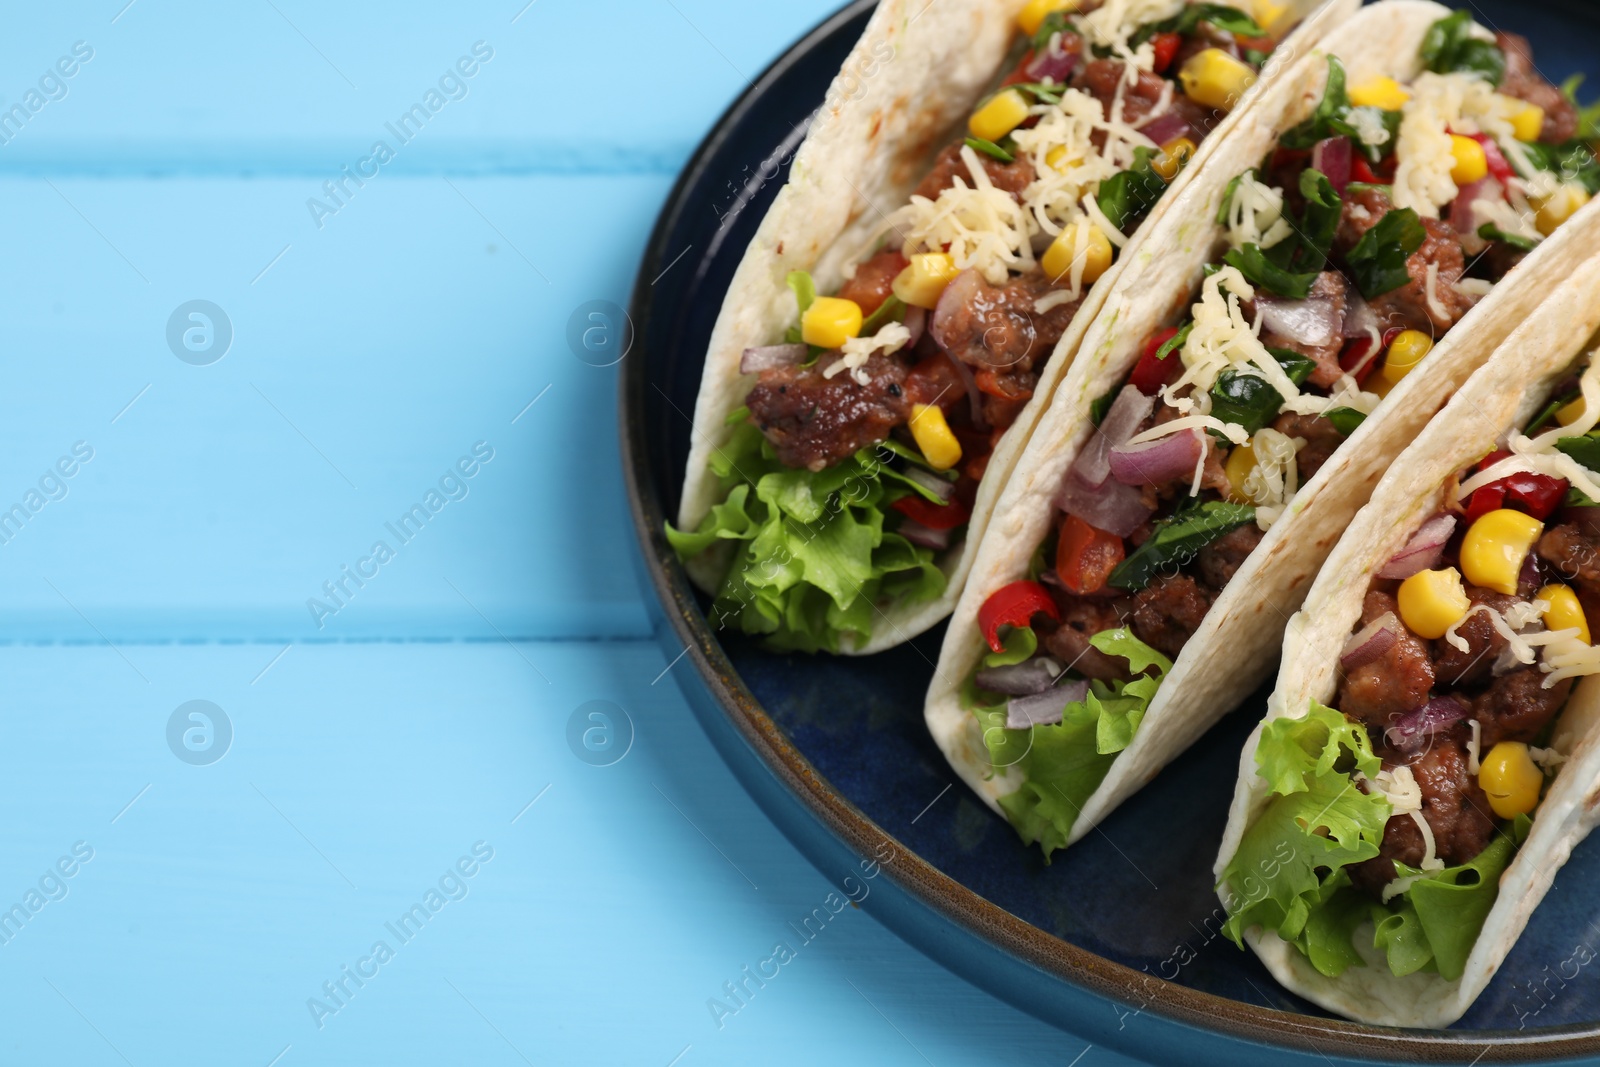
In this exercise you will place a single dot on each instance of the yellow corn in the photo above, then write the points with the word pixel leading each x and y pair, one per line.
pixel 1472 163
pixel 1216 79
pixel 1175 154
pixel 1564 613
pixel 1032 16
pixel 1241 461
pixel 1083 240
pixel 1511 778
pixel 1495 546
pixel 1056 159
pixel 1383 93
pixel 1570 414
pixel 939 446
pixel 1004 112
pixel 1408 350
pixel 1527 122
pixel 1432 601
pixel 1270 16
pixel 1558 207
pixel 922 283
pixel 830 321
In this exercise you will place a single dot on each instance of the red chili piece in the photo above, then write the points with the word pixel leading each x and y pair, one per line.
pixel 1014 605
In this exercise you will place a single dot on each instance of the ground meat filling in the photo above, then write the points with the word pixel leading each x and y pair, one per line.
pixel 1473 667
pixel 1168 611
pixel 1081 619
pixel 998 329
pixel 814 422
pixel 1221 559
pixel 1011 177
pixel 1101 78
pixel 1440 258
pixel 1525 83
pixel 1322 440
pixel 873 281
pixel 1399 681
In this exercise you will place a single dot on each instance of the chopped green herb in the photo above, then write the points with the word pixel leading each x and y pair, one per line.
pixel 1177 341
pixel 1490 232
pixel 989 148
pixel 1054 23
pixel 1345 420
pixel 1223 17
pixel 1249 400
pixel 1378 261
pixel 1045 94
pixel 1334 117
pixel 1127 197
pixel 1177 540
pixel 1585 449
pixel 893 309
pixel 805 294
pixel 1450 47
pixel 1098 409
pixel 1550 410
pixel 1290 267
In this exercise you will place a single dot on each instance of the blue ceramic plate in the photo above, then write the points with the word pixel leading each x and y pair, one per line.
pixel 1118 939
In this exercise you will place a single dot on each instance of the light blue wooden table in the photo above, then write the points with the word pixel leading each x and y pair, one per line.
pixel 387 763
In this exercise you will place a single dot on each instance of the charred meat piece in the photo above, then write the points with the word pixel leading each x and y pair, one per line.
pixel 1011 177
pixel 1168 611
pixel 1101 78
pixel 997 327
pixel 1526 83
pixel 1517 706
pixel 1326 303
pixel 1221 559
pixel 1408 307
pixel 1472 668
pixel 873 281
pixel 1402 840
pixel 1322 439
pixel 1394 683
pixel 1081 619
pixel 814 422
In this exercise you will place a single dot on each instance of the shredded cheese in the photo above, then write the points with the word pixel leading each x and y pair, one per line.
pixel 1255 214
pixel 1442 104
pixel 857 350
pixel 1519 626
pixel 1276 476
pixel 1222 340
pixel 1114 22
pixel 1399 787
pixel 1547 758
pixel 1475 728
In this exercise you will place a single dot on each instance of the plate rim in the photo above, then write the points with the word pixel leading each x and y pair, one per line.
pixel 923 883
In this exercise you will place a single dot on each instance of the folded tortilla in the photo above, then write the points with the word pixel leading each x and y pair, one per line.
pixel 910 82
pixel 1503 396
pixel 1232 652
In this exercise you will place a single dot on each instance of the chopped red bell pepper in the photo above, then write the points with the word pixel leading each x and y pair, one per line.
pixel 1085 556
pixel 1020 75
pixel 1499 167
pixel 1014 605
pixel 1538 495
pixel 1358 350
pixel 1152 372
pixel 933 516
pixel 1361 171
pixel 1166 46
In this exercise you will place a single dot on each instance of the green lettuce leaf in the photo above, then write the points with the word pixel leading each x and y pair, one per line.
pixel 1061 765
pixel 811 553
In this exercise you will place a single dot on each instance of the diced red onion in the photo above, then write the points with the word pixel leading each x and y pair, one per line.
pixel 1127 413
pixel 1112 507
pixel 1160 461
pixel 1024 679
pixel 1057 66
pixel 1415 727
pixel 1528 577
pixel 919 534
pixel 770 357
pixel 1313 322
pixel 1370 642
pixel 1165 127
pixel 916 321
pixel 952 302
pixel 1461 215
pixel 1043 709
pixel 1423 550
pixel 1359 318
pixel 931 482
pixel 1586 519
pixel 1332 157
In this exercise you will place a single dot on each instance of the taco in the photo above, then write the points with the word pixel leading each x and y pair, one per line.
pixel 913 296
pixel 1310 300
pixel 1431 753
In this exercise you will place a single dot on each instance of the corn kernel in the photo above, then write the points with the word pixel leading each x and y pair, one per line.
pixel 1558 207
pixel 939 446
pixel 1175 154
pixel 1472 163
pixel 1527 122
pixel 922 283
pixel 1032 15
pixel 1564 613
pixel 1570 414
pixel 830 321
pixel 1495 546
pixel 1383 93
pixel 1241 461
pixel 1056 159
pixel 1511 778
pixel 1408 350
pixel 1082 240
pixel 1216 79
pixel 1004 112
pixel 1270 16
pixel 1433 601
